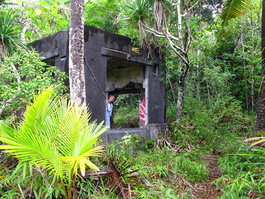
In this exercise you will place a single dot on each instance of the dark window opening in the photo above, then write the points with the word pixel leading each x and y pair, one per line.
pixel 50 61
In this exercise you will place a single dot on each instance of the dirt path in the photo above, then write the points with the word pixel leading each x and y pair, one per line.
pixel 205 189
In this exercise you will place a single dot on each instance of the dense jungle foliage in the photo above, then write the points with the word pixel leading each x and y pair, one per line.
pixel 51 149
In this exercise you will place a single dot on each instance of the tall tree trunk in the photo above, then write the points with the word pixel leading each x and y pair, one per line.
pixel 260 117
pixel 76 52
pixel 181 89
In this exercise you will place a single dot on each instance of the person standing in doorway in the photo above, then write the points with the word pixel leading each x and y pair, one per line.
pixel 109 110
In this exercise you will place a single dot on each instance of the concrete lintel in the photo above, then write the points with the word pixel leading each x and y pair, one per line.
pixel 50 54
pixel 125 56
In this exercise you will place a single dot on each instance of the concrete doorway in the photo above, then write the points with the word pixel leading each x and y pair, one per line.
pixel 127 80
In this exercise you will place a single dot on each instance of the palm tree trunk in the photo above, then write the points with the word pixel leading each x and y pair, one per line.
pixel 76 52
pixel 260 117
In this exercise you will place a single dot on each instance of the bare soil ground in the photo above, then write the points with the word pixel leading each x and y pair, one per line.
pixel 205 189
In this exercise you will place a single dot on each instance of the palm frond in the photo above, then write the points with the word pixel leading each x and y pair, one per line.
pixel 135 10
pixel 256 140
pixel 36 113
pixel 234 8
pixel 54 130
pixel 81 161
pixel 5 130
pixel 89 137
pixel 39 152
pixel 73 120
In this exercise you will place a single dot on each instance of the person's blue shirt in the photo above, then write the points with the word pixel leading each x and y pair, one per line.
pixel 109 108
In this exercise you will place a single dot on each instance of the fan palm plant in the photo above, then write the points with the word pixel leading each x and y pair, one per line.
pixel 55 135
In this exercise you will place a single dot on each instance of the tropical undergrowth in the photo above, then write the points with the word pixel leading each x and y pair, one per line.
pixel 242 173
pixel 167 167
pixel 216 126
pixel 221 128
pixel 173 164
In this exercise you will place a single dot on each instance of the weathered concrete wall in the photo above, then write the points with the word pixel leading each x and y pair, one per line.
pixel 54 47
pixel 156 95
pixel 114 135
pixel 95 69
pixel 152 131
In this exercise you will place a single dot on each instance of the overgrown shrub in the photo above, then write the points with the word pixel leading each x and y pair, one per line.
pixel 213 126
pixel 22 77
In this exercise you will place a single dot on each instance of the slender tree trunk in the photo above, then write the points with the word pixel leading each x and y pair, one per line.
pixel 181 89
pixel 180 102
pixel 196 82
pixel 252 89
pixel 76 52
pixel 260 117
pixel 3 50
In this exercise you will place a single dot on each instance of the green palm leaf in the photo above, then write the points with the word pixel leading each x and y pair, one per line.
pixel 234 8
pixel 136 10
pixel 54 134
pixel 82 161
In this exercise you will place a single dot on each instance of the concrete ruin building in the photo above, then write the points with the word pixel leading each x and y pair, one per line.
pixel 111 66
